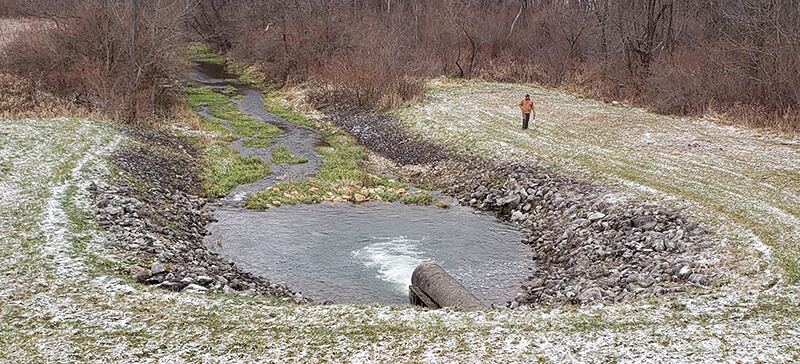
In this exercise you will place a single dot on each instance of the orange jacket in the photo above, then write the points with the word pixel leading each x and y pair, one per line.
pixel 527 106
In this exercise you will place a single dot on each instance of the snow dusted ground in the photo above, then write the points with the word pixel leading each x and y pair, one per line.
pixel 744 184
pixel 61 300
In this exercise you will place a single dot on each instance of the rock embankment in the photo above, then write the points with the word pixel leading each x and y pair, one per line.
pixel 159 223
pixel 592 244
pixel 385 135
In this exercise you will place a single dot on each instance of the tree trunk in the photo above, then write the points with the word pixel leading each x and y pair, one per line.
pixel 132 78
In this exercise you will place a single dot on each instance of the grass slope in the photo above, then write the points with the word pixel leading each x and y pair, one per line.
pixel 61 300
pixel 744 184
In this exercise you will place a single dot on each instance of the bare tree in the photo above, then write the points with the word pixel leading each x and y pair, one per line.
pixel 644 28
pixel 116 56
pixel 762 39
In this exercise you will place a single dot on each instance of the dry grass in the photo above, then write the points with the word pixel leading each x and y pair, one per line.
pixel 62 301
pixel 787 122
pixel 21 98
pixel 81 61
pixel 10 29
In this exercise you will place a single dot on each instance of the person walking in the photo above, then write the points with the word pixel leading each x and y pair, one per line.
pixel 526 105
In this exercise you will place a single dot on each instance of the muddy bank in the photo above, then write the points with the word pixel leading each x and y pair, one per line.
pixel 159 221
pixel 592 244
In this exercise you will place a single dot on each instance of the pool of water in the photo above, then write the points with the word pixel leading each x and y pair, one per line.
pixel 366 253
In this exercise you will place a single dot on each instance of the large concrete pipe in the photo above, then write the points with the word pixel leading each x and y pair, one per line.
pixel 432 287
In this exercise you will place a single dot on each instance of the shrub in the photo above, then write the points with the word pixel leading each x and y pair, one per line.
pixel 107 57
pixel 687 58
pixel 21 97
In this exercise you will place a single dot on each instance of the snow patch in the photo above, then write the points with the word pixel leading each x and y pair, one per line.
pixel 55 222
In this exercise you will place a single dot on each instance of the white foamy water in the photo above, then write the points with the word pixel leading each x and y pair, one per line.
pixel 367 253
pixel 394 260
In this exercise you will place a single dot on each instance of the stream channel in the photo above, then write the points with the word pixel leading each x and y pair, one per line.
pixel 348 253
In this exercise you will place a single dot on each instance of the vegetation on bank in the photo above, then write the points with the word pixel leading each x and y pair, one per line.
pixel 281 155
pixel 63 299
pixel 99 57
pixel 646 53
pixel 226 168
pixel 273 104
pixel 115 61
pixel 61 303
pixel 199 52
pixel 342 177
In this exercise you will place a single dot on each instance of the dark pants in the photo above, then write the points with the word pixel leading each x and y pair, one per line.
pixel 525 118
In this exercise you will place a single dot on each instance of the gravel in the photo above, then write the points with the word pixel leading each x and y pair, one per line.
pixel 592 244
pixel 160 222
pixel 384 135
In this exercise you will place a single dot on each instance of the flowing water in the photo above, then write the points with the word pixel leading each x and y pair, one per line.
pixel 366 253
pixel 355 253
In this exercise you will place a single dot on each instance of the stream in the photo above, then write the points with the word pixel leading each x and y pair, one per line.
pixel 347 253
pixel 366 253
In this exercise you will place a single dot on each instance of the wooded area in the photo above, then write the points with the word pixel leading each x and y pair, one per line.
pixel 739 59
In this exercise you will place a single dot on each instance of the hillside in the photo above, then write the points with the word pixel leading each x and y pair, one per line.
pixel 62 300
pixel 744 185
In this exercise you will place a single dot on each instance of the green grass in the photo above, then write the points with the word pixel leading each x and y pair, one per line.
pixel 341 177
pixel 201 53
pixel 218 129
pixel 789 258
pixel 419 199
pixel 343 161
pixel 342 174
pixel 225 168
pixel 245 126
pixel 250 75
pixel 230 91
pixel 741 184
pixel 281 155
pixel 5 168
pixel 257 142
pixel 64 298
pixel 197 96
pixel 273 104
pixel 241 124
